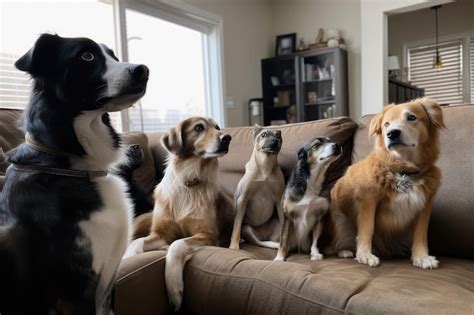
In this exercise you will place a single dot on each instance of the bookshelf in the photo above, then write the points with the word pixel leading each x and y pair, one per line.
pixel 305 86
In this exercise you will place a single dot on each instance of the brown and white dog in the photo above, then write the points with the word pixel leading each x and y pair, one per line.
pixel 392 189
pixel 190 209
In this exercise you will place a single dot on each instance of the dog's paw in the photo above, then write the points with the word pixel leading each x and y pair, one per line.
pixel 135 248
pixel 425 262
pixel 279 258
pixel 368 259
pixel 317 256
pixel 234 245
pixel 345 254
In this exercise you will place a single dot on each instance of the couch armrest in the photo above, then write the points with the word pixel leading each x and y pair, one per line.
pixel 140 288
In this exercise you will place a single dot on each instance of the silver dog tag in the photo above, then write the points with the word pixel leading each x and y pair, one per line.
pixel 404 184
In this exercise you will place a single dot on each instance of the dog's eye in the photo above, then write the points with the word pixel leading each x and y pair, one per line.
pixel 218 128
pixel 387 124
pixel 199 127
pixel 87 56
pixel 278 135
pixel 317 145
pixel 264 135
pixel 411 117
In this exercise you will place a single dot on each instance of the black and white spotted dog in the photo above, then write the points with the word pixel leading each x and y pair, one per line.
pixel 64 221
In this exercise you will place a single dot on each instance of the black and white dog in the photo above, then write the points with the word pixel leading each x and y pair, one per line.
pixel 64 221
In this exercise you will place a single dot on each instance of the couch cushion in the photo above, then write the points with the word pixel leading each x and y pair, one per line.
pixel 232 165
pixel 10 134
pixel 145 174
pixel 140 287
pixel 219 281
pixel 451 226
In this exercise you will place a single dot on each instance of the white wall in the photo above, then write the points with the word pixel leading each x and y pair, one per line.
pixel 453 18
pixel 305 17
pixel 248 38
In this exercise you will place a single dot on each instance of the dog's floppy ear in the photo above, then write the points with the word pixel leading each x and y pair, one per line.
pixel 375 127
pixel 433 111
pixel 41 58
pixel 302 154
pixel 256 130
pixel 172 140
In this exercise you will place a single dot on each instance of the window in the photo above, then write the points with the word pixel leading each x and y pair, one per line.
pixel 28 20
pixel 180 44
pixel 445 84
pixel 175 55
pixel 471 60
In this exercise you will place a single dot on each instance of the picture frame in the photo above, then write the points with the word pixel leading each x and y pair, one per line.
pixel 285 44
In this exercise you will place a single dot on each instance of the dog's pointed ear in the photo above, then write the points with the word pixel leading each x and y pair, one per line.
pixel 40 59
pixel 256 130
pixel 375 127
pixel 433 111
pixel 302 154
pixel 172 140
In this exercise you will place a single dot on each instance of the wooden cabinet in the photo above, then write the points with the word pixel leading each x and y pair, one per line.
pixel 305 86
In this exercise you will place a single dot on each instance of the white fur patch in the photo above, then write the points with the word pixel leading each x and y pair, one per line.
pixel 406 206
pixel 94 137
pixel 108 231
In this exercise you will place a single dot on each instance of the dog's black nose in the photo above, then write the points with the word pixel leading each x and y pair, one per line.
pixel 393 134
pixel 139 72
pixel 226 138
pixel 337 147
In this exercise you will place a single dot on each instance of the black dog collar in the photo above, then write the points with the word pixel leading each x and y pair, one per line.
pixel 59 171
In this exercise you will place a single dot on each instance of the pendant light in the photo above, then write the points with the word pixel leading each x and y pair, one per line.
pixel 437 63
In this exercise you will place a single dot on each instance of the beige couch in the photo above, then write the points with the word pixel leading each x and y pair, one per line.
pixel 222 281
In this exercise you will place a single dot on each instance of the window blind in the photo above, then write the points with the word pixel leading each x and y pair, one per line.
pixel 14 85
pixel 471 60
pixel 444 84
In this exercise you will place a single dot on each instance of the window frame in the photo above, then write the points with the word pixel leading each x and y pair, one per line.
pixel 191 17
pixel 465 38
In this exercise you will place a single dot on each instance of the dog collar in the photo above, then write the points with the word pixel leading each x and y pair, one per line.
pixel 403 173
pixel 42 148
pixel 192 182
pixel 59 171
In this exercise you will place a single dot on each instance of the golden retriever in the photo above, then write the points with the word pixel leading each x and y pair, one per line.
pixel 190 209
pixel 392 189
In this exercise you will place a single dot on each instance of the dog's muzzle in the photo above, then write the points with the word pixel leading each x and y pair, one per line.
pixel 224 142
pixel 393 137
pixel 271 146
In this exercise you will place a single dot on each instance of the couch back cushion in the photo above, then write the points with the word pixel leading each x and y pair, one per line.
pixel 10 134
pixel 451 231
pixel 232 165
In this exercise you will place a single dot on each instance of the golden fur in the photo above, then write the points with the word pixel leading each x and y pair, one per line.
pixel 190 209
pixel 367 201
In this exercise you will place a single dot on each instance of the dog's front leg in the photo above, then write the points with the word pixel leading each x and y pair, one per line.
pixel 176 257
pixel 284 240
pixel 315 254
pixel 240 207
pixel 419 250
pixel 365 232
